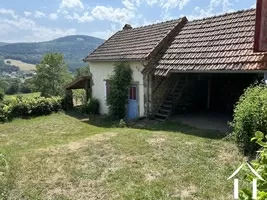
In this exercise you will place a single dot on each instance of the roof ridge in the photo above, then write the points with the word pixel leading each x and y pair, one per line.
pixel 223 15
pixel 145 26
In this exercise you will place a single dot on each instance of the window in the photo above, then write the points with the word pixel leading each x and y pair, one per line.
pixel 108 87
pixel 132 93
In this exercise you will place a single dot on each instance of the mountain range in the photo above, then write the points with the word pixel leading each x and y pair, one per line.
pixel 74 48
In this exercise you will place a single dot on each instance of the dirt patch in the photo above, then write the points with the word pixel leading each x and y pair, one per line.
pixel 152 175
pixel 188 192
pixel 73 146
pixel 227 155
pixel 156 140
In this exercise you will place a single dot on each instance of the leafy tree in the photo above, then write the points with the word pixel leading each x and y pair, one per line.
pixel 2 95
pixel 27 86
pixel 14 86
pixel 51 75
pixel 118 96
pixel 83 71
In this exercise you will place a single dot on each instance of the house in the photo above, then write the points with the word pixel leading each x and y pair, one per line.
pixel 182 65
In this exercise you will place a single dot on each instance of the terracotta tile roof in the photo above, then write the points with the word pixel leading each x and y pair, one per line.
pixel 137 43
pixel 218 43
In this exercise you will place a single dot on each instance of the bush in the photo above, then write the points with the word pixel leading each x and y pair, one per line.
pixel 261 167
pixel 26 107
pixel 2 95
pixel 250 116
pixel 93 106
pixel 118 95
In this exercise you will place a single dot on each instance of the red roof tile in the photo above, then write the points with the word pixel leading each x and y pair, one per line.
pixel 218 43
pixel 137 43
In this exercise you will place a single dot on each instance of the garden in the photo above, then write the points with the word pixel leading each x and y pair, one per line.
pixel 48 151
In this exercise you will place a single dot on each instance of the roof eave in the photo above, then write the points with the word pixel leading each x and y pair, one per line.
pixel 114 60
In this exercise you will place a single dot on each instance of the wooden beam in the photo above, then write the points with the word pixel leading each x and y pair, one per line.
pixel 265 78
pixel 208 98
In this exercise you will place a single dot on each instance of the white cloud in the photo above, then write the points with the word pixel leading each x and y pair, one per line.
pixel 27 14
pixel 105 34
pixel 71 4
pixel 39 14
pixel 169 4
pixel 216 7
pixel 151 2
pixel 8 12
pixel 36 32
pixel 119 15
pixel 53 16
pixel 131 4
pixel 81 19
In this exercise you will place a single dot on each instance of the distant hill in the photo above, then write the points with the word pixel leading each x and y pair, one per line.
pixel 2 43
pixel 74 48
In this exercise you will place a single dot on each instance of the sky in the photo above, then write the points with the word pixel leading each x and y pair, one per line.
pixel 36 20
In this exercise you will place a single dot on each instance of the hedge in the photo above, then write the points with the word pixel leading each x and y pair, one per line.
pixel 27 107
pixel 250 116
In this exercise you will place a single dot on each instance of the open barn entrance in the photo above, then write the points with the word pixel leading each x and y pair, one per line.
pixel 208 99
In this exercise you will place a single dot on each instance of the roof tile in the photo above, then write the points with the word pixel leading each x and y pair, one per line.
pixel 136 43
pixel 222 42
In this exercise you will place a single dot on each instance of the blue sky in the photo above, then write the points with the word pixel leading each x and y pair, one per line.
pixel 35 20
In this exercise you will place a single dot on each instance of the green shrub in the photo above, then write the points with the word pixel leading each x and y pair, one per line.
pixel 250 115
pixel 93 106
pixel 2 95
pixel 117 98
pixel 260 165
pixel 26 107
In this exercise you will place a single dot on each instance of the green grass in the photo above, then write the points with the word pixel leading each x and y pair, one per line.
pixel 62 157
pixel 28 95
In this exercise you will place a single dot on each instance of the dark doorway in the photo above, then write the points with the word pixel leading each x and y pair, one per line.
pixel 214 92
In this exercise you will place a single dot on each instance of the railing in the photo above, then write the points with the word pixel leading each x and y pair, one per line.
pixel 158 85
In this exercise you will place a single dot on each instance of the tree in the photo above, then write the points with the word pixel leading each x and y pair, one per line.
pixel 51 75
pixel 118 95
pixel 14 86
pixel 83 71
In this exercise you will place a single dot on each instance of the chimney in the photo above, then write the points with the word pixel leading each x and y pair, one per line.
pixel 127 27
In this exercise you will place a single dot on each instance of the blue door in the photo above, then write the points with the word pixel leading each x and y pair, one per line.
pixel 132 110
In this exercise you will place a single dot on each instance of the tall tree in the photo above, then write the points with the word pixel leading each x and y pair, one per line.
pixel 83 71
pixel 51 75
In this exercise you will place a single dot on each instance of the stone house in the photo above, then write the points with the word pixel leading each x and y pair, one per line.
pixel 182 65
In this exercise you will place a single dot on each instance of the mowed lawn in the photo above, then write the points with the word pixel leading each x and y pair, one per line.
pixel 26 95
pixel 62 157
pixel 22 65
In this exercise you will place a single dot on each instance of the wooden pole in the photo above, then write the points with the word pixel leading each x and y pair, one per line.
pixel 208 98
pixel 86 89
pixel 147 96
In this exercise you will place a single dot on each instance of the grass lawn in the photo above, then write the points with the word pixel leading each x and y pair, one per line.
pixel 62 157
pixel 34 94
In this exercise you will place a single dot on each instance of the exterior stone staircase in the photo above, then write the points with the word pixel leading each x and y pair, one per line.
pixel 170 102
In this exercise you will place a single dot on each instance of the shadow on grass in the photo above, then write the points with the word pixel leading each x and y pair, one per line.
pixel 94 120
pixel 174 127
